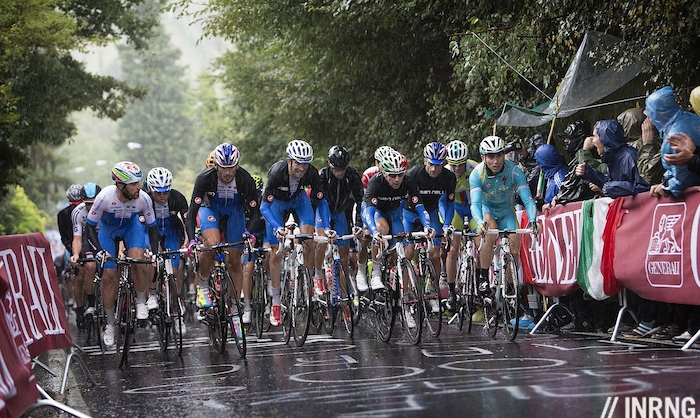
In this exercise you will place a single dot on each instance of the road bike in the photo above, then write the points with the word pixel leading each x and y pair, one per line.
pixel 468 298
pixel 502 308
pixel 429 284
pixel 337 293
pixel 224 318
pixel 170 315
pixel 296 287
pixel 95 323
pixel 260 301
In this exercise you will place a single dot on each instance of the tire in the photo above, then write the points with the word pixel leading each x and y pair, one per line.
pixel 490 318
pixel 346 303
pixel 328 311
pixel 469 293
pixel 233 314
pixel 383 302
pixel 286 314
pixel 176 315
pixel 301 312
pixel 412 304
pixel 430 287
pixel 511 303
pixel 129 317
pixel 259 301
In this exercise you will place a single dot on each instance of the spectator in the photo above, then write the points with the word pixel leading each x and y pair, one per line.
pixel 663 110
pixel 574 188
pixel 641 134
pixel 622 177
pixel 552 165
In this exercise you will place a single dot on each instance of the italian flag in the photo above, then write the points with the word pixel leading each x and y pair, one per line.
pixel 599 221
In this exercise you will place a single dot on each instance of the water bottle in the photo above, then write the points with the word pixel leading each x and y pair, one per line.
pixel 237 326
pixel 392 276
pixel 329 280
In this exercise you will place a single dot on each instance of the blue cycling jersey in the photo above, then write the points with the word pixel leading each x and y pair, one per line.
pixel 495 193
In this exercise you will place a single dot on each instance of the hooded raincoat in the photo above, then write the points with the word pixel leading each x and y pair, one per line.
pixel 662 109
pixel 551 163
pixel 622 178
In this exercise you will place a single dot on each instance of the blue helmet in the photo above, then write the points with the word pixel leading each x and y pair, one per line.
pixel 435 152
pixel 89 191
pixel 226 155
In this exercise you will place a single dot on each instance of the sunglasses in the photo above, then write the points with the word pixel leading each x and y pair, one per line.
pixel 393 176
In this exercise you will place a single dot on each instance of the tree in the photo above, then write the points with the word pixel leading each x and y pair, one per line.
pixel 161 121
pixel 41 84
pixel 19 215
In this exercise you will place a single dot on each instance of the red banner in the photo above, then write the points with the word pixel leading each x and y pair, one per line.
pixel 34 298
pixel 551 268
pixel 656 247
pixel 17 385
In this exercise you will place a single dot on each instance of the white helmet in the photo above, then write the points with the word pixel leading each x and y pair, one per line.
pixel 491 145
pixel 394 163
pixel 457 152
pixel 381 152
pixel 160 179
pixel 300 151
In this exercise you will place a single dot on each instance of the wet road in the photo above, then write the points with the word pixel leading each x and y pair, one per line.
pixel 459 374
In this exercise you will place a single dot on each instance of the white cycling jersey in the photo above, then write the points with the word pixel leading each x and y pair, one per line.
pixel 109 210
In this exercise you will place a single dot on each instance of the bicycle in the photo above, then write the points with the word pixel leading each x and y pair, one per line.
pixel 259 296
pixel 297 288
pixel 429 284
pixel 385 303
pixel 225 316
pixel 338 294
pixel 169 316
pixel 126 307
pixel 505 303
pixel 467 296
pixel 95 323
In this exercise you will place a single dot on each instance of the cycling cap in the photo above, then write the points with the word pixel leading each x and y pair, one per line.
pixel 73 193
pixel 300 151
pixel 491 145
pixel 381 152
pixel 126 172
pixel 457 152
pixel 338 157
pixel 394 163
pixel 435 152
pixel 89 191
pixel 226 155
pixel 258 182
pixel 211 160
pixel 160 179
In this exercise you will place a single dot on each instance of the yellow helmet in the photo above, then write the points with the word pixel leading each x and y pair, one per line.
pixel 695 99
pixel 211 159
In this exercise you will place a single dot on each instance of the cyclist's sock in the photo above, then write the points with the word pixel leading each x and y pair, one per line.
pixel 204 282
pixel 276 292
pixel 452 288
pixel 246 305
pixel 318 274
pixel 151 292
pixel 141 297
pixel 91 300
pixel 362 267
pixel 109 314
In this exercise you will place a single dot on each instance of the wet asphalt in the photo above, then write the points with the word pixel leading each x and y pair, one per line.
pixel 458 374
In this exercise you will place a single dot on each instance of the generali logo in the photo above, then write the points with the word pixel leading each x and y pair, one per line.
pixel 664 261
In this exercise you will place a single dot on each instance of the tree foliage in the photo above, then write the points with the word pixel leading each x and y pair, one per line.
pixel 19 215
pixel 365 73
pixel 41 84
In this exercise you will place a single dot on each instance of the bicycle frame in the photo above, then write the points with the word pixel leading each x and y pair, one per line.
pixel 296 281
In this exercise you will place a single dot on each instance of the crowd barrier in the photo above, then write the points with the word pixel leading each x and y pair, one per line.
pixel 34 320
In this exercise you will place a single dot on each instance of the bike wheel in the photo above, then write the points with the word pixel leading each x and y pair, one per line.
pixel 469 293
pixel 259 301
pixel 346 302
pixel 412 303
pixel 383 302
pixel 433 307
pixel 490 318
pixel 233 310
pixel 301 312
pixel 128 316
pixel 286 308
pixel 176 315
pixel 329 309
pixel 511 304
pixel 160 318
pixel 214 326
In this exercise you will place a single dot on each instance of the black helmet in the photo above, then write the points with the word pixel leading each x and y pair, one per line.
pixel 338 157
pixel 89 191
pixel 576 132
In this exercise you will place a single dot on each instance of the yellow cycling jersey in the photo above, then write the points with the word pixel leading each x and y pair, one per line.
pixel 462 186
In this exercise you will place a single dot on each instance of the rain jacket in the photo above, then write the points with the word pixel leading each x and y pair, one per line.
pixel 670 120
pixel 553 167
pixel 622 178
pixel 649 153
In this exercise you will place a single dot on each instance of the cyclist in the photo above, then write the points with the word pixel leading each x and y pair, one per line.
pixel 342 187
pixel 170 207
pixel 283 195
pixel 255 225
pixel 385 199
pixel 65 227
pixel 82 287
pixel 492 188
pixel 361 277
pixel 116 209
pixel 461 166
pixel 221 197
pixel 436 187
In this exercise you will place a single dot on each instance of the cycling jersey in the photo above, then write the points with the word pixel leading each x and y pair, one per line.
pixel 65 226
pixel 494 194
pixel 214 200
pixel 381 200
pixel 120 219
pixel 342 195
pixel 368 174
pixel 169 219
pixel 283 194
pixel 78 217
pixel 436 193
pixel 462 200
